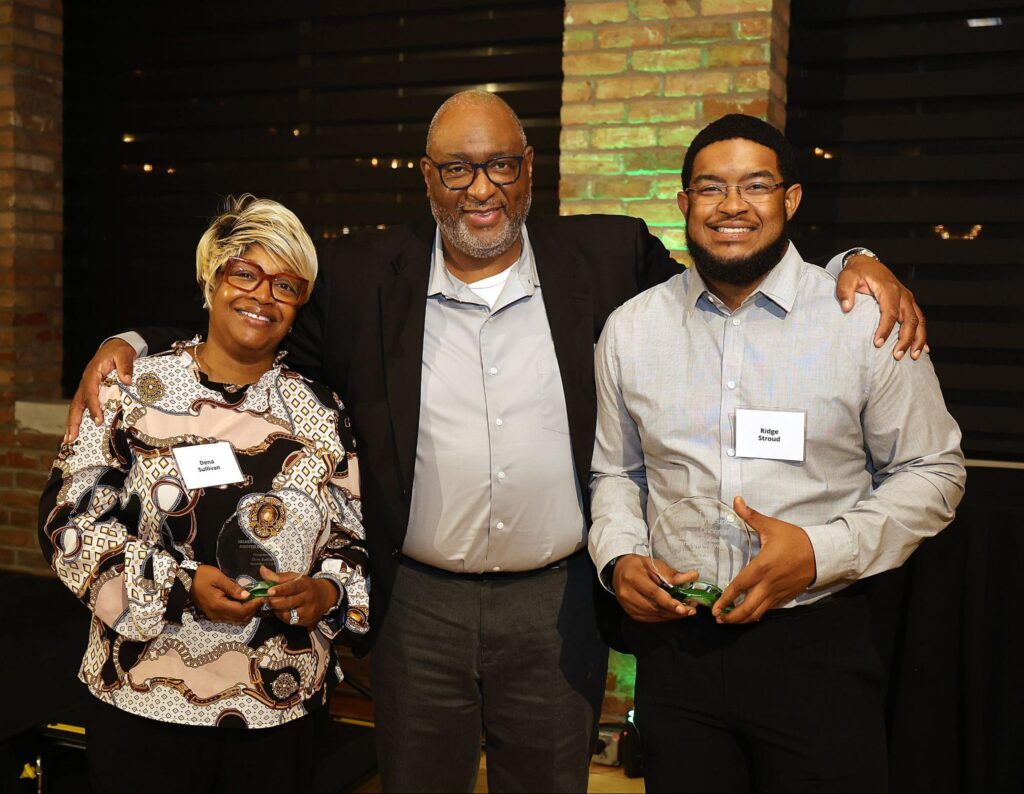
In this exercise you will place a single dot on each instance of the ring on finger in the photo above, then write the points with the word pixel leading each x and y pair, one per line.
pixel 293 616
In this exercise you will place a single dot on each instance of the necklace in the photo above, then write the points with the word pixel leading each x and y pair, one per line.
pixel 230 388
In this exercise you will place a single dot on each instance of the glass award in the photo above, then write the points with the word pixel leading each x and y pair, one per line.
pixel 702 534
pixel 240 555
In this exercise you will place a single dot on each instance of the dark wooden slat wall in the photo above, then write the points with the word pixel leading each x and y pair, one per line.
pixel 319 104
pixel 909 119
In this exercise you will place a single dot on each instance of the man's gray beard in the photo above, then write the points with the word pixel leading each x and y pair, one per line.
pixel 456 231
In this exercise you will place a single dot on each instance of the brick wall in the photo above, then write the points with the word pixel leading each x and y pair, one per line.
pixel 641 78
pixel 31 226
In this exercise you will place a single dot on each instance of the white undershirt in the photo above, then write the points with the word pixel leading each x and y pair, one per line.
pixel 490 288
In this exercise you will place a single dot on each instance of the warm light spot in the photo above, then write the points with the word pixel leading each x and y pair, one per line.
pixel 345 230
pixel 945 234
pixel 394 163
pixel 984 22
pixel 172 170
pixel 381 226
pixel 822 153
pixel 409 164
pixel 147 167
pixel 373 162
pixel 128 138
pixel 296 132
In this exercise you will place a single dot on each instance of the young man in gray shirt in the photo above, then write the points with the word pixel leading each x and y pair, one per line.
pixel 741 379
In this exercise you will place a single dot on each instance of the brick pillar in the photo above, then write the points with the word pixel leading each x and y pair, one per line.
pixel 31 228
pixel 641 78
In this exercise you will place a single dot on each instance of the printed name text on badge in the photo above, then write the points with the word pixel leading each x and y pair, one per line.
pixel 776 435
pixel 207 465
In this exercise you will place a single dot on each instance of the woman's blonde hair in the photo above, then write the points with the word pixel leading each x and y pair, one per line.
pixel 246 221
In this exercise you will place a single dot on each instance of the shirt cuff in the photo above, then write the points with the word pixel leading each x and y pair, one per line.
pixel 609 553
pixel 333 620
pixel 133 339
pixel 835 554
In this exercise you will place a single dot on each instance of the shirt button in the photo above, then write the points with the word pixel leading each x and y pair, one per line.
pixel 496 568
pixel 501 475
pixel 493 370
pixel 500 525
pixel 499 422
pixel 730 452
pixel 735 321
pixel 731 384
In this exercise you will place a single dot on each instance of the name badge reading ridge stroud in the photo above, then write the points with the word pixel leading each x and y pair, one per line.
pixel 207 465
pixel 775 435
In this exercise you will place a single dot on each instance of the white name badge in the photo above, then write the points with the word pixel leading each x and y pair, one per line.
pixel 207 465
pixel 776 435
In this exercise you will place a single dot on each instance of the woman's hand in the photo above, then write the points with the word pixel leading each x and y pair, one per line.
pixel 308 598
pixel 221 598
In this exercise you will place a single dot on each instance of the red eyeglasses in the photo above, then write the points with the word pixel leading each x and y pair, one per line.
pixel 246 275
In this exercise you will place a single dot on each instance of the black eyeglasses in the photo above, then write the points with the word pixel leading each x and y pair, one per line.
pixel 246 275
pixel 459 174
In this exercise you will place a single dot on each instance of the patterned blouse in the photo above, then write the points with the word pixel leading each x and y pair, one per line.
pixel 125 535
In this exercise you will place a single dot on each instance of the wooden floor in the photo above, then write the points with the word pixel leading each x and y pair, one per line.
pixel 603 780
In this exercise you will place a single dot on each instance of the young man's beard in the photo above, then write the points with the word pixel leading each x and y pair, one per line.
pixel 738 271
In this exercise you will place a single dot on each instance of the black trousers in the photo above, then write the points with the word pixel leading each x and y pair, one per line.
pixel 515 657
pixel 793 703
pixel 127 753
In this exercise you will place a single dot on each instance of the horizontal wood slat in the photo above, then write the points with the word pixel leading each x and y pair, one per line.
pixel 167 111
pixel 908 128
pixel 881 11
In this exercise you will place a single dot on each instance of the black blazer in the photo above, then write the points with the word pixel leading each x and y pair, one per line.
pixel 362 335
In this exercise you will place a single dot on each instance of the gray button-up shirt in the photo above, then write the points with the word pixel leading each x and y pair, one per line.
pixel 882 468
pixel 494 486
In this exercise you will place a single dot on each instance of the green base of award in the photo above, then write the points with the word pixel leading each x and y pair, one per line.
pixel 258 589
pixel 698 594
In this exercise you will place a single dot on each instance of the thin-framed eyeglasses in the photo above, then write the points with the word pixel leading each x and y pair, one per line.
pixel 459 174
pixel 752 192
pixel 246 275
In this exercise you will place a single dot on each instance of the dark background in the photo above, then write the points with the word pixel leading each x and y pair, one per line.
pixel 922 117
pixel 323 106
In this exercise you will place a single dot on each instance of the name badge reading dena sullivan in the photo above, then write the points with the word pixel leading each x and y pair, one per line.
pixel 776 435
pixel 207 465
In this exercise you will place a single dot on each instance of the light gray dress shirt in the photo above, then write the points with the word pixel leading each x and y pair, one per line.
pixel 494 487
pixel 882 470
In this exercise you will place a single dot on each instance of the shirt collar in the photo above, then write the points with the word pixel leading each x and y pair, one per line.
pixel 442 282
pixel 779 286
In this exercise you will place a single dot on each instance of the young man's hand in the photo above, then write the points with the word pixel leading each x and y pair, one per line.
pixel 639 589
pixel 783 568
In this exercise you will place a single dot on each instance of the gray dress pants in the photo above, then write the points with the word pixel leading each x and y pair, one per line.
pixel 514 658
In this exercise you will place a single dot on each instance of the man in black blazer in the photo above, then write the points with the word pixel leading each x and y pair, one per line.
pixel 458 343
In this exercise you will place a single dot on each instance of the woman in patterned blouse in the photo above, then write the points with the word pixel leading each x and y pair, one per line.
pixel 216 467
